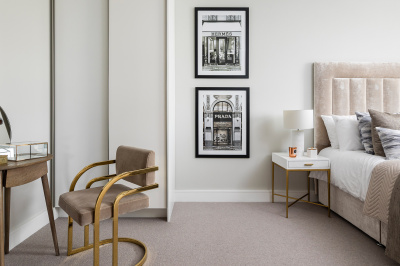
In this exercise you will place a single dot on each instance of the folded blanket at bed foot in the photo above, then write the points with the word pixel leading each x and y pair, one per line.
pixel 383 203
pixel 381 184
pixel 393 234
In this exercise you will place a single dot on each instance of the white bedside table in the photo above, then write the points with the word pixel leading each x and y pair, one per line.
pixel 301 163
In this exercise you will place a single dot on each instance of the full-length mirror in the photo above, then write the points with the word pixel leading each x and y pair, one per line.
pixel 5 128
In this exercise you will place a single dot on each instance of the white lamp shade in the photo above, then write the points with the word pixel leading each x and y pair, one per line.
pixel 298 119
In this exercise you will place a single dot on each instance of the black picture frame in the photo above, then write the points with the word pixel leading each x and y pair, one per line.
pixel 222 122
pixel 224 52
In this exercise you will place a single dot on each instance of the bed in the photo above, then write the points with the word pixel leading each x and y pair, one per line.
pixel 341 89
pixel 350 176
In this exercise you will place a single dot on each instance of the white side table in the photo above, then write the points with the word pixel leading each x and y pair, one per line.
pixel 301 163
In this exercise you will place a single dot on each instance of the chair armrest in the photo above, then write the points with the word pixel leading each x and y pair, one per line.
pixel 73 183
pixel 134 191
pixel 97 179
pixel 130 192
pixel 119 177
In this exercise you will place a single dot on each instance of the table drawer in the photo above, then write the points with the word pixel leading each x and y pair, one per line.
pixel 309 165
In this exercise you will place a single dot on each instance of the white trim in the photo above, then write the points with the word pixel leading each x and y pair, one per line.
pixel 22 232
pixel 170 107
pixel 233 195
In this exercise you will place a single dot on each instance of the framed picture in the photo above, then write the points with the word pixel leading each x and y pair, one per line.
pixel 221 42
pixel 222 122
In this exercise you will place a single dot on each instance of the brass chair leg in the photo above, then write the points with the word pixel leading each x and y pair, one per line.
pixel 70 231
pixel 115 236
pixel 113 240
pixel 96 240
pixel 86 236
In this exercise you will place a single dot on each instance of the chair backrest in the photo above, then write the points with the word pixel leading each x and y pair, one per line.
pixel 130 159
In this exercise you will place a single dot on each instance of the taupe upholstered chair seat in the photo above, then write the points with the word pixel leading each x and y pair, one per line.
pixel 80 204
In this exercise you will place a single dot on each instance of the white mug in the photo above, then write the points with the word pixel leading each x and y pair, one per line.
pixel 312 152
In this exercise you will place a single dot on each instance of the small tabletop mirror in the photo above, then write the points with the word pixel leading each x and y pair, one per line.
pixel 5 128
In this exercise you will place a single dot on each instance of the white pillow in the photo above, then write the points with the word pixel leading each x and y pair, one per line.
pixel 341 117
pixel 347 133
pixel 330 128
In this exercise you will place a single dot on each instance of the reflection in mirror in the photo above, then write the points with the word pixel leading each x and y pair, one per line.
pixel 5 128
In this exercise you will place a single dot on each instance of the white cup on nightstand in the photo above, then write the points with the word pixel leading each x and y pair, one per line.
pixel 312 152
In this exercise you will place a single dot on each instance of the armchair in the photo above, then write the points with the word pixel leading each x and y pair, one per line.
pixel 92 205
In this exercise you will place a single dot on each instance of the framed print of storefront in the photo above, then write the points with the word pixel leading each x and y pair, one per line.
pixel 221 42
pixel 222 122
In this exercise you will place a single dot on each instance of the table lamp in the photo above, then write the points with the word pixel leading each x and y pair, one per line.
pixel 298 120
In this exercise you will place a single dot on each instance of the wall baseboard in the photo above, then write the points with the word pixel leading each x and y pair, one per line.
pixel 234 195
pixel 27 229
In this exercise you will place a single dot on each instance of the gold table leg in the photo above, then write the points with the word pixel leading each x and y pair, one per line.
pixel 308 184
pixel 1 220
pixel 47 196
pixel 7 202
pixel 287 194
pixel 273 172
pixel 329 193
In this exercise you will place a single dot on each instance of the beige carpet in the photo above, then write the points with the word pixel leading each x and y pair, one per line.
pixel 220 234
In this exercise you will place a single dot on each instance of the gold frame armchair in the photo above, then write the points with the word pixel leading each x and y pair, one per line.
pixel 92 205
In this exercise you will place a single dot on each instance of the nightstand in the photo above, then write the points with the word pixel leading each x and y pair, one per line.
pixel 301 163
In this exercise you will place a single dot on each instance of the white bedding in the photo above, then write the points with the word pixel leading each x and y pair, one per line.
pixel 350 170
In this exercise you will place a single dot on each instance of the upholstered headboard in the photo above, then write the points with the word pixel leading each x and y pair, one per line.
pixel 342 88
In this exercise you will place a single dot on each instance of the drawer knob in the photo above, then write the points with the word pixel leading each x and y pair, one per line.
pixel 308 164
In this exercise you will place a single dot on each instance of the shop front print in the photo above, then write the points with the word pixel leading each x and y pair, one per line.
pixel 221 51
pixel 222 122
pixel 221 43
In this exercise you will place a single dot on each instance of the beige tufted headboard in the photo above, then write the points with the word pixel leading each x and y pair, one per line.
pixel 342 88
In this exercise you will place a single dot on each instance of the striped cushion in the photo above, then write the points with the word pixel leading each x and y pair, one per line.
pixel 364 127
pixel 361 115
pixel 390 139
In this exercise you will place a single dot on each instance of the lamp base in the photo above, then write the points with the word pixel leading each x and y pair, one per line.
pixel 298 141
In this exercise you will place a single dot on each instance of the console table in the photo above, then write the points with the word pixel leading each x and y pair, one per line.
pixel 19 173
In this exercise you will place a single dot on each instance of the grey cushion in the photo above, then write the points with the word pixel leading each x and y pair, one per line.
pixel 390 140
pixel 386 120
pixel 130 159
pixel 364 127
pixel 361 114
pixel 80 204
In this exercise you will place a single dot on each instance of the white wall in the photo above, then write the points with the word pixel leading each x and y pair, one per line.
pixel 81 90
pixel 137 98
pixel 286 37
pixel 25 97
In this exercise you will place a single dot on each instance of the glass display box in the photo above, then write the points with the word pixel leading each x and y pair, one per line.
pixel 19 151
